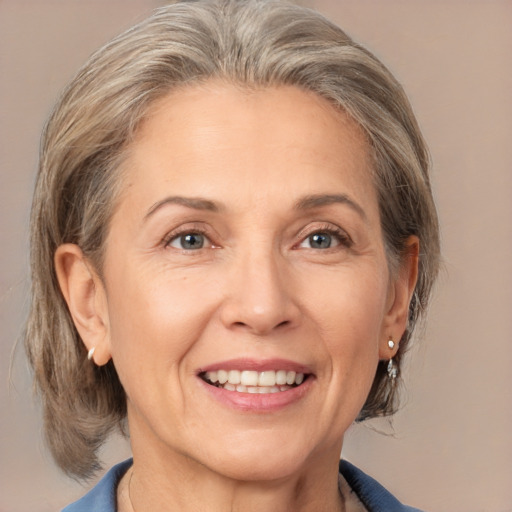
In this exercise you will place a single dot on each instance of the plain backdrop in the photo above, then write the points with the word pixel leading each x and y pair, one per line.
pixel 449 449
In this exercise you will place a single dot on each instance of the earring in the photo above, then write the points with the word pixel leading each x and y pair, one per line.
pixel 392 370
pixel 91 353
pixel 392 367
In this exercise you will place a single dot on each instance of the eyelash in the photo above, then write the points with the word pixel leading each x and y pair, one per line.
pixel 189 230
pixel 339 234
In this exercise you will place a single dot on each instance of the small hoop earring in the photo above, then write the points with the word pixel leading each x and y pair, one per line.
pixel 91 353
pixel 392 369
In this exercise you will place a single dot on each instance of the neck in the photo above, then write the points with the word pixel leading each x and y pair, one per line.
pixel 166 480
pixel 148 492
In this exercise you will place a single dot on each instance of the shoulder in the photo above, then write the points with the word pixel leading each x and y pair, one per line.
pixel 102 497
pixel 373 495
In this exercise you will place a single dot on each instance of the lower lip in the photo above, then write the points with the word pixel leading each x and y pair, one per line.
pixel 259 402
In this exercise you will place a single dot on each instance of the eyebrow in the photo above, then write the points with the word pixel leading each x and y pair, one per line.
pixel 196 203
pixel 316 201
pixel 305 203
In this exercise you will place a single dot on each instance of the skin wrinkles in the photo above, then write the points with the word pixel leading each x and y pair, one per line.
pixel 194 221
pixel 255 172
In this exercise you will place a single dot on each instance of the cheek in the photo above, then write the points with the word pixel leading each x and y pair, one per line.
pixel 155 319
pixel 350 307
pixel 349 313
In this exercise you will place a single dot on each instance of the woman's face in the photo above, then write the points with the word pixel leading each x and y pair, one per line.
pixel 246 245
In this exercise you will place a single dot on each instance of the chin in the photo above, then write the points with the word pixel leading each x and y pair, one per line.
pixel 260 459
pixel 253 469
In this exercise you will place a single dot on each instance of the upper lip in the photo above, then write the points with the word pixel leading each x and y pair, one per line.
pixel 259 365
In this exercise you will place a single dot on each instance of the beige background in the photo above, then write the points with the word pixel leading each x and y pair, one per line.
pixel 450 448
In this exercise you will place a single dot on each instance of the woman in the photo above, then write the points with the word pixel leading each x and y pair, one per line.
pixel 233 236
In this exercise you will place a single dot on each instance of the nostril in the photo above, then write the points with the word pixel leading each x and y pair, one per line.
pixel 244 325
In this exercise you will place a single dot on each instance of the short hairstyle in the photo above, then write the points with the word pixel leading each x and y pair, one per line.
pixel 250 43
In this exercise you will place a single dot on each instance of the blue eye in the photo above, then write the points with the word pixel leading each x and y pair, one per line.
pixel 188 241
pixel 320 240
pixel 326 239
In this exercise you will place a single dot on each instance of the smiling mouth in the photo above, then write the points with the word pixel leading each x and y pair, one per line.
pixel 250 381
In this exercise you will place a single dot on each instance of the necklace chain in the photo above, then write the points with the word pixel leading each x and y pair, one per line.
pixel 130 490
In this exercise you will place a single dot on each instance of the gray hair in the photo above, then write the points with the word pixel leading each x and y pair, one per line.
pixel 251 43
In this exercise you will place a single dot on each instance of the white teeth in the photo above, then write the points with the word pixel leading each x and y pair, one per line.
pixel 222 375
pixel 267 379
pixel 290 378
pixel 249 378
pixel 250 381
pixel 281 377
pixel 234 377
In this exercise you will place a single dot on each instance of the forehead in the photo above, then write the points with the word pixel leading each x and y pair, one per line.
pixel 200 138
pixel 201 109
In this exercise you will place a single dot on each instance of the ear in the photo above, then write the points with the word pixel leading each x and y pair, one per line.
pixel 401 289
pixel 86 299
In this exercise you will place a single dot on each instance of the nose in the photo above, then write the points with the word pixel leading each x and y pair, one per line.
pixel 259 298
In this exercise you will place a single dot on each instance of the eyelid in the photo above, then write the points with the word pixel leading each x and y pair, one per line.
pixel 342 236
pixel 184 229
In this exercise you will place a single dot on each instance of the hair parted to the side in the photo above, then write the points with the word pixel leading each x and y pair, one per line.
pixel 252 43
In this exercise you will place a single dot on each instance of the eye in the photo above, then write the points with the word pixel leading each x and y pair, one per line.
pixel 188 241
pixel 326 239
pixel 320 241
